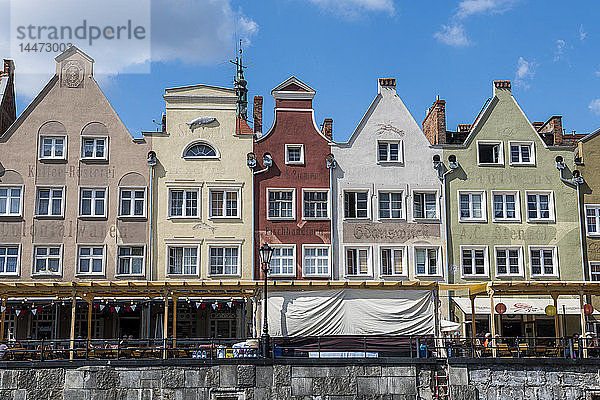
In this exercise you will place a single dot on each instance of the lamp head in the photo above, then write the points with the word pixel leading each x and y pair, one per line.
pixel 266 252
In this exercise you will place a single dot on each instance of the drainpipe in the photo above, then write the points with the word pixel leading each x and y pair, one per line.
pixel 331 164
pixel 151 161
pixel 252 163
pixel 576 182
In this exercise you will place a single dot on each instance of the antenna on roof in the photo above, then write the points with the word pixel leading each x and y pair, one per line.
pixel 240 86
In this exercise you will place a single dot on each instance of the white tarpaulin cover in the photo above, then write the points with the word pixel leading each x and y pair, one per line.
pixel 519 305
pixel 350 312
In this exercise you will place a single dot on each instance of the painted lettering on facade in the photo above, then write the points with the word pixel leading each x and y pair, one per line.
pixel 56 229
pixel 387 233
pixel 70 171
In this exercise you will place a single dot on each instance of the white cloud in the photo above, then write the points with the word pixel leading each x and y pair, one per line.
pixel 582 33
pixel 597 73
pixel 595 106
pixel 466 8
pixel 354 8
pixel 525 72
pixel 452 35
pixel 560 49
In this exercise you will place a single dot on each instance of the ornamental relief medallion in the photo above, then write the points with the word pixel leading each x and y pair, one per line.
pixel 72 74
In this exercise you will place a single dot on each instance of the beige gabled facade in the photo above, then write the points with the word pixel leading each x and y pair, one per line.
pixel 202 211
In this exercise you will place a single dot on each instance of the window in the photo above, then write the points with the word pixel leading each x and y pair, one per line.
pixel 294 154
pixel 224 203
pixel 91 260
pixel 183 203
pixel 424 205
pixel 130 260
pixel 47 260
pixel 392 261
pixel 390 205
pixel 10 201
pixel 316 261
pixel 9 260
pixel 183 260
pixel 490 153
pixel 200 150
pixel 132 203
pixel 472 206
pixel 427 261
pixel 357 261
pixel 592 217
pixel 506 206
pixel 92 203
pixel 94 148
pixel 224 260
pixel 474 261
pixel 283 261
pixel 316 204
pixel 595 271
pixel 281 204
pixel 522 153
pixel 508 261
pixel 543 261
pixel 49 202
pixel 53 147
pixel 389 151
pixel 356 204
pixel 540 206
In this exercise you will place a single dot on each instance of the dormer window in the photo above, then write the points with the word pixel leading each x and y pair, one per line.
pixel 294 154
pixel 490 153
pixel 389 151
pixel 94 148
pixel 53 147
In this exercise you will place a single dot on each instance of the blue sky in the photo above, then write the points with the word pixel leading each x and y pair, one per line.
pixel 549 49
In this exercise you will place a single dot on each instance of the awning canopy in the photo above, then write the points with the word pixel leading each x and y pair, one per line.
pixel 449 326
pixel 516 305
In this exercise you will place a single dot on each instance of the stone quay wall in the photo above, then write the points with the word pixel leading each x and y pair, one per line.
pixel 300 380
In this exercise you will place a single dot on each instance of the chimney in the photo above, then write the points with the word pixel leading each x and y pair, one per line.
pixel 387 83
pixel 552 130
pixel 434 124
pixel 8 108
pixel 537 125
pixel 501 86
pixel 327 129
pixel 257 114
pixel 164 123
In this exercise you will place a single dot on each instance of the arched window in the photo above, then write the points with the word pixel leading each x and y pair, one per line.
pixel 200 150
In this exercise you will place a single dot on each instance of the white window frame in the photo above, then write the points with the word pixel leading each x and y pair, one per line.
pixel 369 260
pixel 170 245
pixel 356 190
pixel 93 200
pixel 37 201
pixel 328 191
pixel 414 194
pixel 204 142
pixel 34 259
pixel 143 273
pixel 94 138
pixel 402 202
pixel 438 261
pixel 486 262
pixel 483 217
pixel 52 157
pixel 316 274
pixel 185 189
pixel 224 203
pixel 594 263
pixel 78 271
pixel 554 261
pixel 500 152
pixel 400 144
pixel 521 261
pixel 287 160
pixel 132 207
pixel 531 153
pixel 551 212
pixel 596 208
pixel 224 244
pixel 293 190
pixel 21 199
pixel 517 217
pixel 5 256
pixel 404 250
pixel 295 262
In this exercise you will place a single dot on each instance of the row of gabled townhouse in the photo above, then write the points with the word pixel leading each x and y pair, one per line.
pixel 80 200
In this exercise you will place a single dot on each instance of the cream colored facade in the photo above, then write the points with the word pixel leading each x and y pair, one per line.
pixel 202 189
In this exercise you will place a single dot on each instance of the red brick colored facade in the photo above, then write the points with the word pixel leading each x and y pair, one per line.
pixel 293 125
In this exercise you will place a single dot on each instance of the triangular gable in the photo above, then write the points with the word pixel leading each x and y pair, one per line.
pixel 293 89
pixel 70 51
pixel 363 121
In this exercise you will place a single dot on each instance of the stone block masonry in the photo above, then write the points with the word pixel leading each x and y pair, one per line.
pixel 300 380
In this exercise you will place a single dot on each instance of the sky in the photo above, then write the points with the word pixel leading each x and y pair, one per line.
pixel 451 48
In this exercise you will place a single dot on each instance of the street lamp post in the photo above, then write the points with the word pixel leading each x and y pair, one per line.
pixel 266 252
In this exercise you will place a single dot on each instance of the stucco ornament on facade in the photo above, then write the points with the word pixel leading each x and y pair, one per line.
pixel 72 73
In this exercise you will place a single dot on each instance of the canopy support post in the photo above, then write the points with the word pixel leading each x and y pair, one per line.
pixel 492 323
pixel 2 317
pixel 473 329
pixel 165 325
pixel 72 335
pixel 556 321
pixel 175 298
pixel 583 338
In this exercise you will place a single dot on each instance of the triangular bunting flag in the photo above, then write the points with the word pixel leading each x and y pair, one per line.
pixel 214 306
pixel 198 304
pixel 133 307
pixel 117 308
pixel 2 308
pixel 101 306
pixel 229 304
pixel 18 312
pixel 34 311
pixel 112 309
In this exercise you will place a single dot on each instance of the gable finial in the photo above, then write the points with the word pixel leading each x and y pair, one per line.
pixel 240 86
